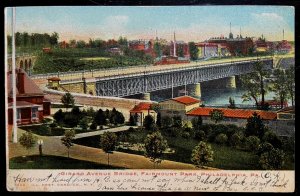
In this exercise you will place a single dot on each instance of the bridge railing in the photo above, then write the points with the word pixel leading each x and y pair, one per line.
pixel 119 73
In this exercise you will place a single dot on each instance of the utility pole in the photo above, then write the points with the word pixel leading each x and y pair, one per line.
pixel 15 128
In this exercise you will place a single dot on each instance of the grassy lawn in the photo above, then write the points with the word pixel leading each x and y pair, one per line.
pixel 225 157
pixel 54 162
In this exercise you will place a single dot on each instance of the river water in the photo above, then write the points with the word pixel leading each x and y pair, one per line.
pixel 212 96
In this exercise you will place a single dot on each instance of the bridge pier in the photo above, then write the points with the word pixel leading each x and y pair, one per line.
pixel 146 96
pixel 195 90
pixel 230 82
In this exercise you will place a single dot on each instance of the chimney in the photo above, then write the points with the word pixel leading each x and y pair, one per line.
pixel 20 83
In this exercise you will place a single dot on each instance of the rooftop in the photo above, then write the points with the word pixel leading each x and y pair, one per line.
pixel 30 88
pixel 186 100
pixel 22 104
pixel 141 107
pixel 233 113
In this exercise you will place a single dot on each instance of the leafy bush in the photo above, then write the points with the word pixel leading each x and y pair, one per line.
pixel 197 123
pixel 264 147
pixel 202 154
pixel 54 124
pixel 273 139
pixel 70 120
pixel 185 135
pixel 255 126
pixel 57 131
pixel 148 122
pixel 167 121
pixel 236 139
pixel 27 140
pixel 272 160
pixel 190 131
pixel 93 126
pixel 177 121
pixel 200 135
pixel 83 123
pixel 59 116
pixel 173 131
pixel 221 138
pixel 252 143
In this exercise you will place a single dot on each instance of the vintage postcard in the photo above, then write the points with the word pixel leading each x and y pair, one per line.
pixel 150 98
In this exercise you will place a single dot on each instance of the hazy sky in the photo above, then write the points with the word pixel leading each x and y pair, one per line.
pixel 195 23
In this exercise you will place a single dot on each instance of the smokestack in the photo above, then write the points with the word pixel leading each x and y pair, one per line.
pixel 283 34
pixel 174 44
pixel 20 84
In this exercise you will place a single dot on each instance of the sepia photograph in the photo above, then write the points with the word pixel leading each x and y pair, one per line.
pixel 150 98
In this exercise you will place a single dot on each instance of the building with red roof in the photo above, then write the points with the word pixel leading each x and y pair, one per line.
pixel 32 106
pixel 179 105
pixel 140 111
pixel 232 116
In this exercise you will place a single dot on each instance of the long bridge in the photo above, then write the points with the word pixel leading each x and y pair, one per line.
pixel 126 81
pixel 137 83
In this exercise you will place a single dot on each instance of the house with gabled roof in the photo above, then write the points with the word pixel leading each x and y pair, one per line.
pixel 140 111
pixel 178 105
pixel 31 104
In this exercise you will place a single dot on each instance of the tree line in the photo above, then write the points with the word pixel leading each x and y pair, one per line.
pixel 25 40
pixel 282 84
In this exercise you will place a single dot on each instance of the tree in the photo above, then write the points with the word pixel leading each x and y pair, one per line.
pixel 280 86
pixel 231 103
pixel 122 41
pixel 167 121
pixel 254 84
pixel 84 123
pixel 76 112
pixel 54 39
pixel 252 88
pixel 216 115
pixel 93 126
pixel 221 138
pixel 67 140
pixel 290 83
pixel 155 145
pixel 91 112
pixel 72 42
pixel 68 100
pixel 158 119
pixel 193 49
pixel 148 122
pixel 108 142
pixel 177 121
pixel 27 140
pixel 255 126
pixel 70 120
pixel 119 118
pixel 59 116
pixel 180 50
pixel 197 123
pixel 202 154
pixel 80 44
pixel 272 160
pixel 157 49
pixel 132 121
pixel 272 138
pixel 252 143
pixel 100 117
